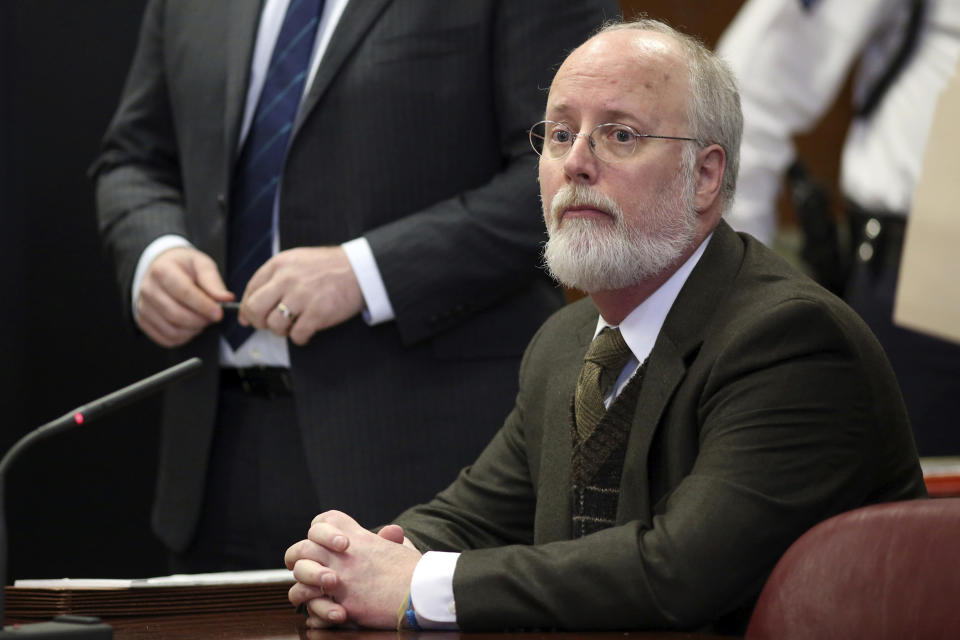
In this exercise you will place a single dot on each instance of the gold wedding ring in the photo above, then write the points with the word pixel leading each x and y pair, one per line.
pixel 285 311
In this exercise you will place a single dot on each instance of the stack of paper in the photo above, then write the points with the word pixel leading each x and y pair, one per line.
pixel 167 595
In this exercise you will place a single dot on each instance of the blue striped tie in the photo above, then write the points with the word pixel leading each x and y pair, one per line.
pixel 258 171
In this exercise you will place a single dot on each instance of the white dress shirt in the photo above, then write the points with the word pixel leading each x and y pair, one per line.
pixel 791 63
pixel 431 588
pixel 264 348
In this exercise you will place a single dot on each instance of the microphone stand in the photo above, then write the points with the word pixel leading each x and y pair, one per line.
pixel 72 626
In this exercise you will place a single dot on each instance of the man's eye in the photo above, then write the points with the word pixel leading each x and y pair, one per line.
pixel 622 135
pixel 560 136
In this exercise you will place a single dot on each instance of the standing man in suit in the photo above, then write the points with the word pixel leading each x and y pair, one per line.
pixel 305 159
pixel 673 433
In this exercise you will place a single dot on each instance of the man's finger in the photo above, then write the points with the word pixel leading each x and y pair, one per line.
pixel 321 610
pixel 392 532
pixel 280 319
pixel 209 280
pixel 328 536
pixel 314 574
pixel 175 273
pixel 166 322
pixel 162 332
pixel 299 593
pixel 258 304
pixel 185 290
pixel 160 303
pixel 305 326
pixel 306 550
pixel 326 611
pixel 261 276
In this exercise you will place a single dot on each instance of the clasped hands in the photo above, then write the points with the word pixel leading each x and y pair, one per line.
pixel 296 293
pixel 347 574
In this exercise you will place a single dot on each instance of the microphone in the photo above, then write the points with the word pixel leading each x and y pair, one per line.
pixel 77 626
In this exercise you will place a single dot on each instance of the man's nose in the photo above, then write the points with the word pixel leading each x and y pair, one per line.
pixel 580 163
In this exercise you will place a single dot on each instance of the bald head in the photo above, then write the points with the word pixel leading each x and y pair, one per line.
pixel 628 68
pixel 712 103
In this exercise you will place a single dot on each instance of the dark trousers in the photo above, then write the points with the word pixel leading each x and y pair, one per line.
pixel 928 369
pixel 259 498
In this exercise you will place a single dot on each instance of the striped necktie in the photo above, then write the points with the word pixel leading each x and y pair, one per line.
pixel 259 169
pixel 605 359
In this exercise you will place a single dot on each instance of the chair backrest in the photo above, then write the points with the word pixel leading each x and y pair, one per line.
pixel 887 571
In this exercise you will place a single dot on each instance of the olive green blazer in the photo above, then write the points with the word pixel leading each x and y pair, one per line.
pixel 767 407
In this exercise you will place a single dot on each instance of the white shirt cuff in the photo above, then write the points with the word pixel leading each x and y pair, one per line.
pixel 154 249
pixel 431 590
pixel 378 308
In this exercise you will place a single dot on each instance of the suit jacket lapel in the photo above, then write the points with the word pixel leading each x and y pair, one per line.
pixel 665 370
pixel 553 503
pixel 357 19
pixel 243 22
pixel 681 336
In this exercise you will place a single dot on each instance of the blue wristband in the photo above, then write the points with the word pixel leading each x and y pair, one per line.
pixel 412 615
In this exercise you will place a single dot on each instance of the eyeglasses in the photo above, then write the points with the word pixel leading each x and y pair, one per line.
pixel 610 142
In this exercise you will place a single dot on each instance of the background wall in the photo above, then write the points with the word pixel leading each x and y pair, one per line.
pixel 78 504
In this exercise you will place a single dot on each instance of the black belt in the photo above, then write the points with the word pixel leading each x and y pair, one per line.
pixel 877 237
pixel 261 381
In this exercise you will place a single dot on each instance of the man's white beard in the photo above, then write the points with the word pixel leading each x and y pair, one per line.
pixel 593 255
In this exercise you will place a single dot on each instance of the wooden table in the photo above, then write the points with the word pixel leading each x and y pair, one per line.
pixel 290 626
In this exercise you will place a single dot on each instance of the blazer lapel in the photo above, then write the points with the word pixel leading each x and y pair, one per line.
pixel 665 370
pixel 553 502
pixel 243 21
pixel 357 19
pixel 681 336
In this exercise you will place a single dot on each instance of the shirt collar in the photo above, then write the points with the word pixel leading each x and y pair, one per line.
pixel 642 325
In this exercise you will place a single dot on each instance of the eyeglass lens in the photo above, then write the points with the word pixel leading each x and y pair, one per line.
pixel 609 141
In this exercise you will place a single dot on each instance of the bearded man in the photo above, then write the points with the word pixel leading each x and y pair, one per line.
pixel 674 432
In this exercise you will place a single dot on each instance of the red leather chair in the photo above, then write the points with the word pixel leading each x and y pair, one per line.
pixel 887 571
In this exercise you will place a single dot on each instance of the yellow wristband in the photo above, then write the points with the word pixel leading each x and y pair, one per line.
pixel 407 616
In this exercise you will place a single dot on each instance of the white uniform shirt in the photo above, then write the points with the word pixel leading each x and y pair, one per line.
pixel 791 63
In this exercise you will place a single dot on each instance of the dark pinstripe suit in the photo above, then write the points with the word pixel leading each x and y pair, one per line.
pixel 413 136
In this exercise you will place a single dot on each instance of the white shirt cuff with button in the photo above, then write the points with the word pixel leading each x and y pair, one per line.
pixel 378 308
pixel 431 590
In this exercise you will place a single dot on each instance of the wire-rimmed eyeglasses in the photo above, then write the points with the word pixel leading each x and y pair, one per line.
pixel 610 141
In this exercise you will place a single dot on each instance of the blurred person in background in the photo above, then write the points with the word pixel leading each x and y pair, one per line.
pixel 791 58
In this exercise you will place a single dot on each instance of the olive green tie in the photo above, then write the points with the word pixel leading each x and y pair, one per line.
pixel 605 359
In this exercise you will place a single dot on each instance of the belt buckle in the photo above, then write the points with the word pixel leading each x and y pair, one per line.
pixel 265 381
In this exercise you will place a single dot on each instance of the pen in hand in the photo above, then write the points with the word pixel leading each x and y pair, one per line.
pixel 230 306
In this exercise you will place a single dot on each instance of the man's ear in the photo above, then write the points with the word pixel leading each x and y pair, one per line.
pixel 711 164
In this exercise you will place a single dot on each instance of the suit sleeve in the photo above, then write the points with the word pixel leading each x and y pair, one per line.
pixel 138 189
pixel 492 502
pixel 788 435
pixel 451 260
